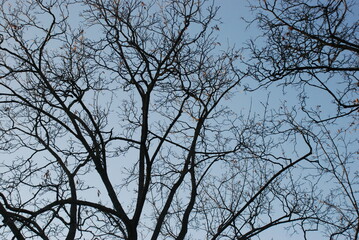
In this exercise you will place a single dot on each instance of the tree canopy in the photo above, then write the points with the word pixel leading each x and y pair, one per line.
pixel 119 119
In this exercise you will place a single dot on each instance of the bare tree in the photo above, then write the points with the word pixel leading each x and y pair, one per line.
pixel 117 126
pixel 313 46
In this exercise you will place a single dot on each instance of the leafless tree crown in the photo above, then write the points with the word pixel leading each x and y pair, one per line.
pixel 116 122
